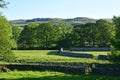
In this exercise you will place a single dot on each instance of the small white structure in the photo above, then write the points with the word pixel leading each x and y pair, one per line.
pixel 61 49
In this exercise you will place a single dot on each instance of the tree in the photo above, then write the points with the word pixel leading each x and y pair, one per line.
pixel 93 34
pixel 104 32
pixel 115 41
pixel 79 35
pixel 85 35
pixel 3 4
pixel 38 36
pixel 116 36
pixel 90 34
pixel 16 33
pixel 5 38
pixel 64 33
pixel 46 35
pixel 27 38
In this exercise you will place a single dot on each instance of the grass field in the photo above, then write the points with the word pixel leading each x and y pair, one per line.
pixel 52 56
pixel 46 75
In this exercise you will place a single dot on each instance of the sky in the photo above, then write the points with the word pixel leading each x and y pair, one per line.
pixel 28 9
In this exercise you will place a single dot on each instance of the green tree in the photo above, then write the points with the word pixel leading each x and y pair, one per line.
pixel 79 36
pixel 116 36
pixel 85 35
pixel 3 4
pixel 64 34
pixel 38 36
pixel 27 39
pixel 16 33
pixel 93 34
pixel 46 35
pixel 115 41
pixel 104 32
pixel 5 38
pixel 90 34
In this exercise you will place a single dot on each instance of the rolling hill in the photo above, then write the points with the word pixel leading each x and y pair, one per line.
pixel 73 21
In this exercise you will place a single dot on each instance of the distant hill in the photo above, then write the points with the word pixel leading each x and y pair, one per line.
pixel 108 19
pixel 73 21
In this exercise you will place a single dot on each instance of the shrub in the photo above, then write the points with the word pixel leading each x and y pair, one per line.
pixel 114 56
pixel 9 57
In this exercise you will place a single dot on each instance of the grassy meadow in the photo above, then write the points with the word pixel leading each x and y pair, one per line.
pixel 53 56
pixel 46 75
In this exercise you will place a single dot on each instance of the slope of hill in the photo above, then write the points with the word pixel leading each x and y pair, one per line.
pixel 73 21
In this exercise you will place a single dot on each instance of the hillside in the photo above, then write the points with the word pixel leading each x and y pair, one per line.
pixel 73 21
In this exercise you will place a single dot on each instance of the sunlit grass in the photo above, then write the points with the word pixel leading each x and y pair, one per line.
pixel 95 53
pixel 46 75
pixel 52 56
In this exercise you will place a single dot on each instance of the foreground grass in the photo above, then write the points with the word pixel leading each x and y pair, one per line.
pixel 46 75
pixel 51 56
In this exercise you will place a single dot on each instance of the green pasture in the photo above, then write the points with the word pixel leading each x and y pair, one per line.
pixel 46 75
pixel 53 56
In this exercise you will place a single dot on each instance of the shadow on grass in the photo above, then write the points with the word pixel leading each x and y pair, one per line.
pixel 73 77
pixel 53 53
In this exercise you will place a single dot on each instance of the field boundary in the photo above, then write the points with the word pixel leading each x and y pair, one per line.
pixel 71 68
pixel 83 55
pixel 90 49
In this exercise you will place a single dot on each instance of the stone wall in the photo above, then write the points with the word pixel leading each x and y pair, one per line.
pixel 102 57
pixel 90 49
pixel 100 69
pixel 81 55
pixel 85 55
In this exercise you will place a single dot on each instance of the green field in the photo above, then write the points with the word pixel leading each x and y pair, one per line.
pixel 52 56
pixel 46 75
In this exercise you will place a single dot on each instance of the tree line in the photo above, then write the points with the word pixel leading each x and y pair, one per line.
pixel 53 36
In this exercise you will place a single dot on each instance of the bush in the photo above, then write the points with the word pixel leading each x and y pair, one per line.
pixel 114 56
pixel 9 57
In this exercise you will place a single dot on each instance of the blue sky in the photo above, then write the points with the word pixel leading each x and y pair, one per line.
pixel 27 9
